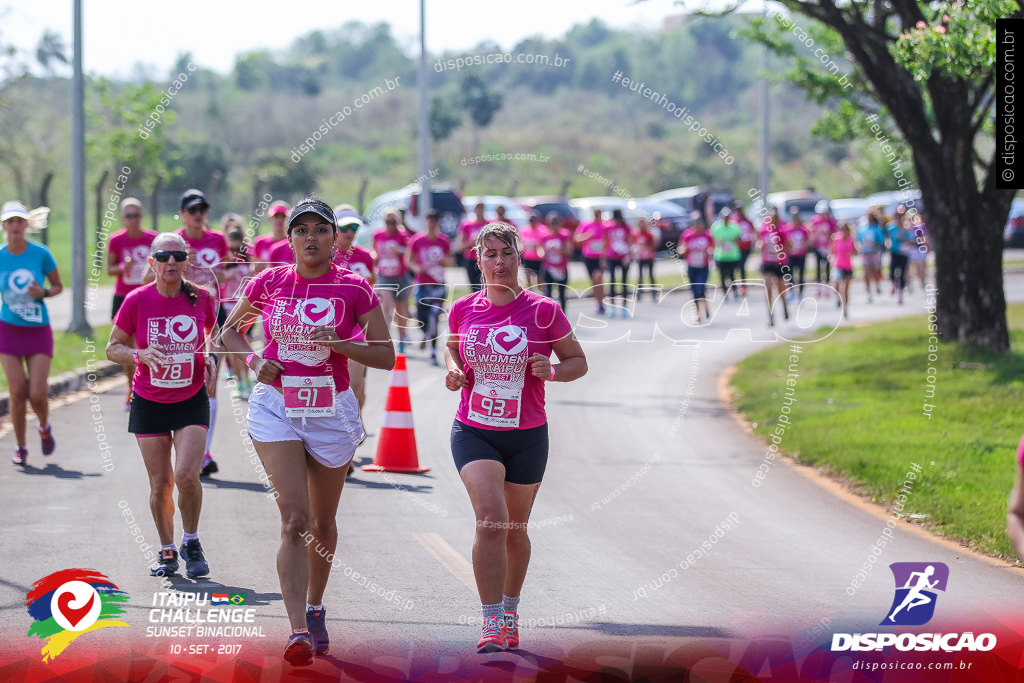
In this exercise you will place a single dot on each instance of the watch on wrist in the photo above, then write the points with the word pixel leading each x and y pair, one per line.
pixel 135 356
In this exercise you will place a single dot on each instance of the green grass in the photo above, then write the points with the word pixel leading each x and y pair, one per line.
pixel 858 413
pixel 69 352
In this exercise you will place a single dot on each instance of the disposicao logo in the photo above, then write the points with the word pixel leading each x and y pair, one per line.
pixel 916 583
pixel 913 605
pixel 70 603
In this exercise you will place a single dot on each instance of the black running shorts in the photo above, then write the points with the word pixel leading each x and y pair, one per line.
pixel 523 452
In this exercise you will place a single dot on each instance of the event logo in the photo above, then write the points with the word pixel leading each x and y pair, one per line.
pixel 916 583
pixel 207 258
pixel 19 281
pixel 182 329
pixel 509 340
pixel 70 603
pixel 316 312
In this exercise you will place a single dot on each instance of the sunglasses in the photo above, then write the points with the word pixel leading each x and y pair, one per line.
pixel 198 209
pixel 165 256
pixel 348 228
pixel 132 216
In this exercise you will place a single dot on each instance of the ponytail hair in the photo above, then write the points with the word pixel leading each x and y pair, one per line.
pixel 190 291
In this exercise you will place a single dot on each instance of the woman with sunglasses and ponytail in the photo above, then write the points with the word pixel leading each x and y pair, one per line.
pixel 170 320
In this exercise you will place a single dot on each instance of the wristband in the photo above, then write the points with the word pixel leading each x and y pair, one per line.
pixel 135 356
pixel 552 373
pixel 46 293
pixel 248 360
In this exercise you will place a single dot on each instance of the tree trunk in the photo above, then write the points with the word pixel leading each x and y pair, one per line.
pixel 966 228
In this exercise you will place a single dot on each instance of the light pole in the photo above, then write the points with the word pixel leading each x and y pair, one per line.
pixel 424 203
pixel 79 323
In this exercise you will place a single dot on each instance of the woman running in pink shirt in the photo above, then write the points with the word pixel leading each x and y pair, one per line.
pixel 842 249
pixel 498 356
pixel 303 418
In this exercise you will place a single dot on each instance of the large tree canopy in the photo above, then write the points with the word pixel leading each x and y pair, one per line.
pixel 922 73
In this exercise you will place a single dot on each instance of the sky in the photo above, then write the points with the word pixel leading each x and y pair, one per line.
pixel 118 34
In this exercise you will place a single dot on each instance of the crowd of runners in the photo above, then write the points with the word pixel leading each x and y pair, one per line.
pixel 299 314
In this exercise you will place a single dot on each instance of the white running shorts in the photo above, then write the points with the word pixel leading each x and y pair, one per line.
pixel 332 441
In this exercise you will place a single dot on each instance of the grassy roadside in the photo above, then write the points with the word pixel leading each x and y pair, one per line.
pixel 858 413
pixel 69 352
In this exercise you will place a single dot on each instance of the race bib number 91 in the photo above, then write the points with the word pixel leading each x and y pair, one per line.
pixel 308 396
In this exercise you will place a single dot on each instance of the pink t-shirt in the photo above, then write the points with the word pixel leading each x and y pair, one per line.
pixel 232 282
pixel 494 342
pixel 208 250
pixel 797 239
pixel 618 240
pixel 748 235
pixel 842 252
pixel 554 243
pixel 179 330
pixel 593 232
pixel 773 247
pixel 390 252
pixel 697 247
pixel 822 228
pixel 293 306
pixel 643 244
pixel 261 246
pixel 358 260
pixel 134 251
pixel 205 256
pixel 428 253
pixel 280 253
pixel 530 237
pixel 468 231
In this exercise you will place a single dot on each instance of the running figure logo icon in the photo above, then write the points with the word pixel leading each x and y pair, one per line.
pixel 916 583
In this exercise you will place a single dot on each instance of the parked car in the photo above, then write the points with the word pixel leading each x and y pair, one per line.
pixel 890 200
pixel 546 204
pixel 442 198
pixel 707 198
pixel 513 211
pixel 848 210
pixel 1013 235
pixel 804 200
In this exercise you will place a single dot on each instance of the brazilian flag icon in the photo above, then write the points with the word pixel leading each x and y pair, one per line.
pixel 238 598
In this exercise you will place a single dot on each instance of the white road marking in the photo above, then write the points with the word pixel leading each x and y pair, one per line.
pixel 451 558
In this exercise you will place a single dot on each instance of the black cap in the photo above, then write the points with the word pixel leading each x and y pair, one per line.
pixel 193 197
pixel 310 205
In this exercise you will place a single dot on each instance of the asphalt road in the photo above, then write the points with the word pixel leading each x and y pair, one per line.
pixel 646 466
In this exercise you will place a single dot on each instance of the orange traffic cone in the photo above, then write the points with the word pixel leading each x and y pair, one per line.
pixel 396 446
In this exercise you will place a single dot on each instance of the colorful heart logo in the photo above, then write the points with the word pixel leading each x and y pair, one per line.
pixel 75 605
pixel 73 615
